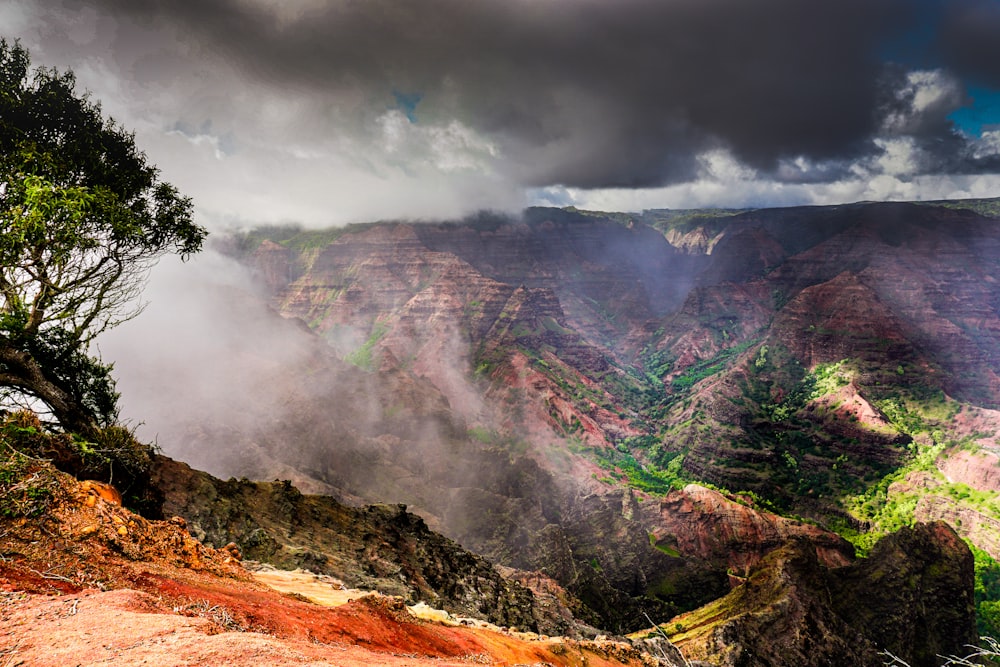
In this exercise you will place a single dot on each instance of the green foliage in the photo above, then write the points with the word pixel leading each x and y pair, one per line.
pixel 884 512
pixel 483 435
pixel 84 379
pixel 826 378
pixel 662 547
pixel 293 237
pixel 83 213
pixel 26 488
pixel 26 484
pixel 656 363
pixel 650 479
pixel 987 592
pixel 984 207
pixel 362 357
pixel 761 359
pixel 822 380
pixel 709 367
pixel 111 454
pixel 915 410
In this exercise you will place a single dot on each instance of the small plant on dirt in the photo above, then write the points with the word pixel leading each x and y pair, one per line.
pixel 215 613
pixel 111 454
pixel 27 486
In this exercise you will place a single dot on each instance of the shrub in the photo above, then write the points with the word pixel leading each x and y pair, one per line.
pixel 111 454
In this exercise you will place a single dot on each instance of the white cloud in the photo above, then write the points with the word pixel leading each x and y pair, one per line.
pixel 872 181
pixel 720 165
pixel 900 156
pixel 202 139
pixel 253 151
pixel 449 147
pixel 925 93
pixel 987 145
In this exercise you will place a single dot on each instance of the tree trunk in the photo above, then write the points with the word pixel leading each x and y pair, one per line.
pixel 19 370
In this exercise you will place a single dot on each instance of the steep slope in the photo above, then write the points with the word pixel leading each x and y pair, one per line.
pixel 76 565
pixel 594 330
pixel 382 548
pixel 895 296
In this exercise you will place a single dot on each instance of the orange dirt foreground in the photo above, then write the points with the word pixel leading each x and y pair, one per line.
pixel 92 584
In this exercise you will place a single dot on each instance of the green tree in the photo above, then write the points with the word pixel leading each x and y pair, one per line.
pixel 83 217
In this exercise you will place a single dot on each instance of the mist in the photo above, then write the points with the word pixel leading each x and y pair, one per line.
pixel 214 376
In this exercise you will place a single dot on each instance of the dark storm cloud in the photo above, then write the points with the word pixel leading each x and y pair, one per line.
pixel 585 93
pixel 970 40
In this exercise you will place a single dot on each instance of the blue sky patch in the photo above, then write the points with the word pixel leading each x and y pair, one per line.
pixel 981 114
pixel 407 103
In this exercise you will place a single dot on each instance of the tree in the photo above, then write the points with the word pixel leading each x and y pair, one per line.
pixel 83 217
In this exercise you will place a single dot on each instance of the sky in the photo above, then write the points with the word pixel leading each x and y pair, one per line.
pixel 325 112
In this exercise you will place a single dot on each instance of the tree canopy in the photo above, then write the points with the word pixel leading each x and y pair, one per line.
pixel 83 217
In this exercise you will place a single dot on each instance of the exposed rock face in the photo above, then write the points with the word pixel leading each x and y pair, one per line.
pixel 780 617
pixel 552 326
pixel 379 547
pixel 705 524
pixel 912 596
pixel 837 319
pixel 980 528
pixel 980 470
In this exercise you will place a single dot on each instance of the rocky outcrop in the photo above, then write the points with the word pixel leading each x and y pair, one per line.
pixel 85 581
pixel 912 596
pixel 839 319
pixel 705 524
pixel 376 547
pixel 980 469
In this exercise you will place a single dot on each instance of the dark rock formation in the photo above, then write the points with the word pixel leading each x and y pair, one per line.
pixel 377 547
pixel 912 597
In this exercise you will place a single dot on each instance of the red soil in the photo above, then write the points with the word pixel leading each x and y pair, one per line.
pixel 93 584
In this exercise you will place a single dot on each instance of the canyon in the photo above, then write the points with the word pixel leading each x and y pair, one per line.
pixel 580 422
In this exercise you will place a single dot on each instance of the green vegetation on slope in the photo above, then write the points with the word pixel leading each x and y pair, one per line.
pixel 649 478
pixel 709 367
pixel 293 237
pixel 26 487
pixel 987 593
pixel 984 207
pixel 111 454
pixel 362 357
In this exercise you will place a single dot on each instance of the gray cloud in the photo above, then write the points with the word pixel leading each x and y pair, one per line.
pixel 968 41
pixel 585 93
pixel 328 111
